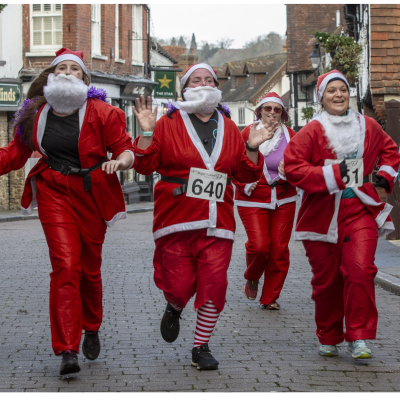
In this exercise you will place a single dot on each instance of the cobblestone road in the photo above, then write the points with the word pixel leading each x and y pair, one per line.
pixel 258 350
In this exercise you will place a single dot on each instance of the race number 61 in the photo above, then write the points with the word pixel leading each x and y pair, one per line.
pixel 355 174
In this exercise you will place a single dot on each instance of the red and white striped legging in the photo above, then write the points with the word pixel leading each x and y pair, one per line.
pixel 207 317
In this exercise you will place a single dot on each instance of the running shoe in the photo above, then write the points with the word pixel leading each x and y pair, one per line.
pixel 91 345
pixel 328 350
pixel 69 362
pixel 169 325
pixel 202 358
pixel 250 289
pixel 359 349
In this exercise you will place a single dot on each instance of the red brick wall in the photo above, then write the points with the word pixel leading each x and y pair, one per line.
pixel 77 36
pixel 385 54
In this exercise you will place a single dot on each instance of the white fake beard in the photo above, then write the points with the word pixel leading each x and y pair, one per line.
pixel 343 133
pixel 201 100
pixel 271 145
pixel 65 93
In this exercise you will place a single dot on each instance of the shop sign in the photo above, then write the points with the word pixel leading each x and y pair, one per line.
pixel 166 85
pixel 133 90
pixel 10 94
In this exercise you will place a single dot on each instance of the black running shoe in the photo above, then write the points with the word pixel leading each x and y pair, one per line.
pixel 91 345
pixel 69 363
pixel 202 358
pixel 169 326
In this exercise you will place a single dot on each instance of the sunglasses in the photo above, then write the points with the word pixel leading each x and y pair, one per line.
pixel 278 110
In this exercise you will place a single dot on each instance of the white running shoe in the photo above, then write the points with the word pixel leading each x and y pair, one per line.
pixel 327 350
pixel 359 349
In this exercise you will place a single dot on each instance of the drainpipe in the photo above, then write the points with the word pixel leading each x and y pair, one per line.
pixel 148 42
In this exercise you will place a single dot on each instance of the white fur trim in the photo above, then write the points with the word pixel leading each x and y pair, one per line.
pixel 247 186
pixel 254 204
pixel 28 211
pixel 388 169
pixel 269 146
pixel 41 127
pixel 365 199
pixel 386 228
pixel 272 99
pixel 285 201
pixel 221 233
pixel 325 81
pixel 115 218
pixel 330 180
pixel 382 216
pixel 197 66
pixel 69 57
pixel 184 226
pixel 82 112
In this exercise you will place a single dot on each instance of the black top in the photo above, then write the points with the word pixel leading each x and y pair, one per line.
pixel 207 131
pixel 60 139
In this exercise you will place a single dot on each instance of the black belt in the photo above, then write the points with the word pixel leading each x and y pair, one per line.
pixel 84 172
pixel 276 183
pixel 183 182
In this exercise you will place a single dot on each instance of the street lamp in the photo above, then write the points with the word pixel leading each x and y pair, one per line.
pixel 314 57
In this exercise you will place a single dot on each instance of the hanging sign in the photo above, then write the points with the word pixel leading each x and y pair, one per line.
pixel 10 94
pixel 166 84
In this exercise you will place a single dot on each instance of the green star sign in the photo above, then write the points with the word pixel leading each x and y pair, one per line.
pixel 166 85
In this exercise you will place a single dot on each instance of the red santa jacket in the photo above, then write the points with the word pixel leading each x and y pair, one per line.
pixel 304 167
pixel 175 149
pixel 102 130
pixel 263 196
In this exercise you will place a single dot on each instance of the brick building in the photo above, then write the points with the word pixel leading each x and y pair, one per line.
pixel 377 28
pixel 302 21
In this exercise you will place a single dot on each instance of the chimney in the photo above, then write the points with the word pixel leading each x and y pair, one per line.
pixel 192 50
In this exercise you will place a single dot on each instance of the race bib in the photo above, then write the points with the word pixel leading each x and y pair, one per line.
pixel 355 175
pixel 207 185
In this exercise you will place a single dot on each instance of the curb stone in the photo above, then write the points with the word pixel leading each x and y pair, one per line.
pixel 388 282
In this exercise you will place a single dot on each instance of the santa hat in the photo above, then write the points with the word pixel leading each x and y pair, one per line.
pixel 193 68
pixel 65 54
pixel 330 76
pixel 275 98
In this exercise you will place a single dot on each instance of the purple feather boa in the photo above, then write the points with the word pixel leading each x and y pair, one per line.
pixel 99 94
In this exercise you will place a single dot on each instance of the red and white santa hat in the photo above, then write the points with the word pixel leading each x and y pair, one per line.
pixel 275 98
pixel 324 79
pixel 193 68
pixel 66 54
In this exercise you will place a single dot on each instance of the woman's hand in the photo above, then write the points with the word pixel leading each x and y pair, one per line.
pixel 123 162
pixel 147 119
pixel 281 168
pixel 252 187
pixel 256 137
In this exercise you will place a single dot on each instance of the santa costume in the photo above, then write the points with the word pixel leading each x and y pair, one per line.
pixel 340 226
pixel 194 236
pixel 267 213
pixel 76 201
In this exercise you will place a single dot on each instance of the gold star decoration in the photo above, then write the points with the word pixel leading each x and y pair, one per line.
pixel 164 82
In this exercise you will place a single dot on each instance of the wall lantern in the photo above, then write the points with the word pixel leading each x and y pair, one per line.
pixel 314 57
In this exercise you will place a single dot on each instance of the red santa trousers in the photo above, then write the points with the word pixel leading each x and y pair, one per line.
pixel 191 262
pixel 267 248
pixel 75 234
pixel 343 277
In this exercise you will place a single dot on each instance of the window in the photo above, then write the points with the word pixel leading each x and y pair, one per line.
pixel 137 30
pixel 117 31
pixel 337 18
pixel 46 26
pixel 96 29
pixel 301 91
pixel 242 117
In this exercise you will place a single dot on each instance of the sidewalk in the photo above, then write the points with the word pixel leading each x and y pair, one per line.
pixel 15 215
pixel 387 259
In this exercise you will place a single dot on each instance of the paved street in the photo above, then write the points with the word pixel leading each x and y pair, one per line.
pixel 258 350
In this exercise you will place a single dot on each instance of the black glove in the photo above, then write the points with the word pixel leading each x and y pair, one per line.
pixel 382 182
pixel 343 169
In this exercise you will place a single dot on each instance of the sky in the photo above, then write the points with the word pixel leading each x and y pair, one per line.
pixel 210 22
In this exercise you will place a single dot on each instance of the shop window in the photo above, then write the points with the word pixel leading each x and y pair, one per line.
pixel 96 29
pixel 46 26
pixel 137 33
